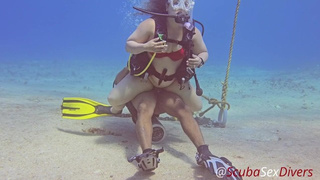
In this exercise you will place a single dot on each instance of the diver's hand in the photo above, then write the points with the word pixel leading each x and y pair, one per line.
pixel 194 61
pixel 154 45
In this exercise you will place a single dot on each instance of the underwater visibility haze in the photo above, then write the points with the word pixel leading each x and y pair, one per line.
pixel 54 49
pixel 269 34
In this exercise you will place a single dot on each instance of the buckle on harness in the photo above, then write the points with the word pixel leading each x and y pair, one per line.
pixel 162 76
pixel 146 75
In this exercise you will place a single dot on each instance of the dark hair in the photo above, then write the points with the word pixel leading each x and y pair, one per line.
pixel 158 6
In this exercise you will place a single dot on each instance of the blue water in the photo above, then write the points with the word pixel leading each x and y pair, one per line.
pixel 270 34
pixel 50 49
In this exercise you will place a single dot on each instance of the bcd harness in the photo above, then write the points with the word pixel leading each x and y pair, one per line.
pixel 140 65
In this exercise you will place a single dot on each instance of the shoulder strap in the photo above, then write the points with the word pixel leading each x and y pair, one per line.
pixel 160 27
pixel 187 37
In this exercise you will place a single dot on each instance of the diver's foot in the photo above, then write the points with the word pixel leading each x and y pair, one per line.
pixel 106 110
pixel 219 166
pixel 149 160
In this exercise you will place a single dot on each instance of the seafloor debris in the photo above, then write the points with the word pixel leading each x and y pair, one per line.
pixel 100 131
pixel 203 120
pixel 209 123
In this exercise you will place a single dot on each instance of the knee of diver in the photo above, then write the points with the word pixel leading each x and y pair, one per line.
pixel 112 100
pixel 145 108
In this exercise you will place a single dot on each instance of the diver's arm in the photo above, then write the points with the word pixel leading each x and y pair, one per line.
pixel 139 41
pixel 134 47
pixel 136 42
pixel 199 48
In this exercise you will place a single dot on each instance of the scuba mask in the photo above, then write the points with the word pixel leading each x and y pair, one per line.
pixel 185 5
pixel 184 17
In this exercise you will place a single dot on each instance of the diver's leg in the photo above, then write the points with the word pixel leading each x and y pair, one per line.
pixel 145 104
pixel 188 95
pixel 120 75
pixel 126 90
pixel 174 106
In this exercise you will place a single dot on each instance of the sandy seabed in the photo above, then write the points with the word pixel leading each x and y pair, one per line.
pixel 274 122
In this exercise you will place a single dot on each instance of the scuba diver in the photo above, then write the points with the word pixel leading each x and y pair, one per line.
pixel 166 49
pixel 153 103
pixel 164 54
pixel 161 101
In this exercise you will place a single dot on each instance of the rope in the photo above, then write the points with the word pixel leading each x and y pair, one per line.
pixel 223 103
pixel 225 84
pixel 214 103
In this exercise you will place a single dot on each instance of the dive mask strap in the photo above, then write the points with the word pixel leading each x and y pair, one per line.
pixel 179 18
